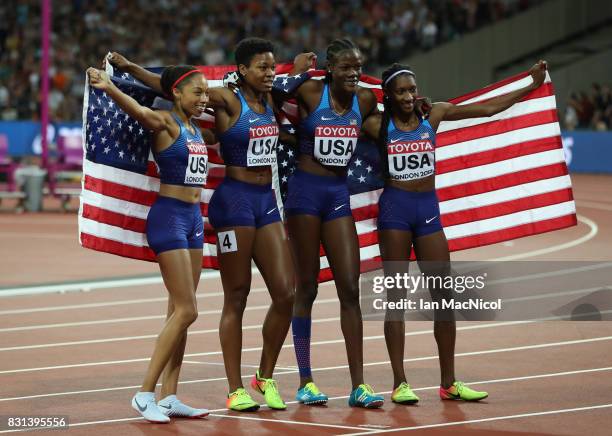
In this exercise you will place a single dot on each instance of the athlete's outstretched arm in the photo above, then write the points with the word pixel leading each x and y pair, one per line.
pixel 150 119
pixel 153 81
pixel 150 79
pixel 450 112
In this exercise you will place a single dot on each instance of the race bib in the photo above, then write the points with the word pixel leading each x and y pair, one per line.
pixel 262 145
pixel 334 145
pixel 410 160
pixel 197 163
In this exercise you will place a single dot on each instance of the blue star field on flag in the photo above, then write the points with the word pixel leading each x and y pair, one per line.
pixel 112 137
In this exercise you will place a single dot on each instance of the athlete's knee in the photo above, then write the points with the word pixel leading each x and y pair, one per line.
pixel 236 298
pixel 283 301
pixel 186 315
pixel 306 292
pixel 348 296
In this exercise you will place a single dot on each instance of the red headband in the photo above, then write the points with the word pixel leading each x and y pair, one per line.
pixel 182 77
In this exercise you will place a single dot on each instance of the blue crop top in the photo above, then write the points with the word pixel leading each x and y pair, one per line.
pixel 252 140
pixel 185 162
pixel 410 155
pixel 329 137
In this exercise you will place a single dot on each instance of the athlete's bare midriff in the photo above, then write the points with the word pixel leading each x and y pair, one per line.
pixel 309 164
pixel 421 185
pixel 254 175
pixel 188 194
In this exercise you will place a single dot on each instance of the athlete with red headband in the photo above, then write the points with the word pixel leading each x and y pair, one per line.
pixel 174 225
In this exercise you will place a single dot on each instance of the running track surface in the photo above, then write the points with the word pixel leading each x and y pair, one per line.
pixel 83 354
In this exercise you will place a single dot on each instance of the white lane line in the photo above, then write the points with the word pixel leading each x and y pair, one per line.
pixel 135 318
pixel 594 229
pixel 214 353
pixel 133 338
pixel 501 380
pixel 195 362
pixel 200 295
pixel 218 311
pixel 330 368
pixel 97 284
pixel 475 421
pixel 285 421
pixel 322 320
pixel 122 388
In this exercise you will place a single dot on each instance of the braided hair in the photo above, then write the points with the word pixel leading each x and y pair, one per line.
pixel 393 70
pixel 173 73
pixel 333 51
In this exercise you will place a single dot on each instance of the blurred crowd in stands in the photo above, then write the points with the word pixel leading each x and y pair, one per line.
pixel 162 32
pixel 589 110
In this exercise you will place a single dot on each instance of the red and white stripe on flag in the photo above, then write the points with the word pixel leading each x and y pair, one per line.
pixel 497 178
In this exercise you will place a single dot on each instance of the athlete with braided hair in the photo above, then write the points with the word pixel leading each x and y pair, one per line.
pixel 174 224
pixel 409 214
pixel 318 210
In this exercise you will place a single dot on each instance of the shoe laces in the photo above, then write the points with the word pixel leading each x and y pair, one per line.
pixel 459 386
pixel 368 388
pixel 312 388
pixel 240 392
pixel 403 385
pixel 271 383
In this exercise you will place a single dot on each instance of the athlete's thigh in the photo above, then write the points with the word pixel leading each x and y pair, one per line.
pixel 434 261
pixel 273 257
pixel 339 237
pixel 175 266
pixel 395 246
pixel 234 253
pixel 196 266
pixel 305 242
pixel 432 247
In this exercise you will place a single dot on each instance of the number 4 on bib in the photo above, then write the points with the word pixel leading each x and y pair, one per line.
pixel 227 241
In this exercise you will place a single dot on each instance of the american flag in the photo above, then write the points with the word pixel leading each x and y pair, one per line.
pixel 497 178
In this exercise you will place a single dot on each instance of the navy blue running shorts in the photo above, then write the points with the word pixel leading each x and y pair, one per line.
pixel 416 212
pixel 310 194
pixel 235 203
pixel 174 224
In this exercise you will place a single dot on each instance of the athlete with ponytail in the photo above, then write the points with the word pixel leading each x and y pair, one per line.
pixel 174 224
pixel 409 215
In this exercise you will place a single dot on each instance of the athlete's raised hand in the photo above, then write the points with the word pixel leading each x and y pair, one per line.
pixel 538 73
pixel 98 79
pixel 116 60
pixel 303 62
